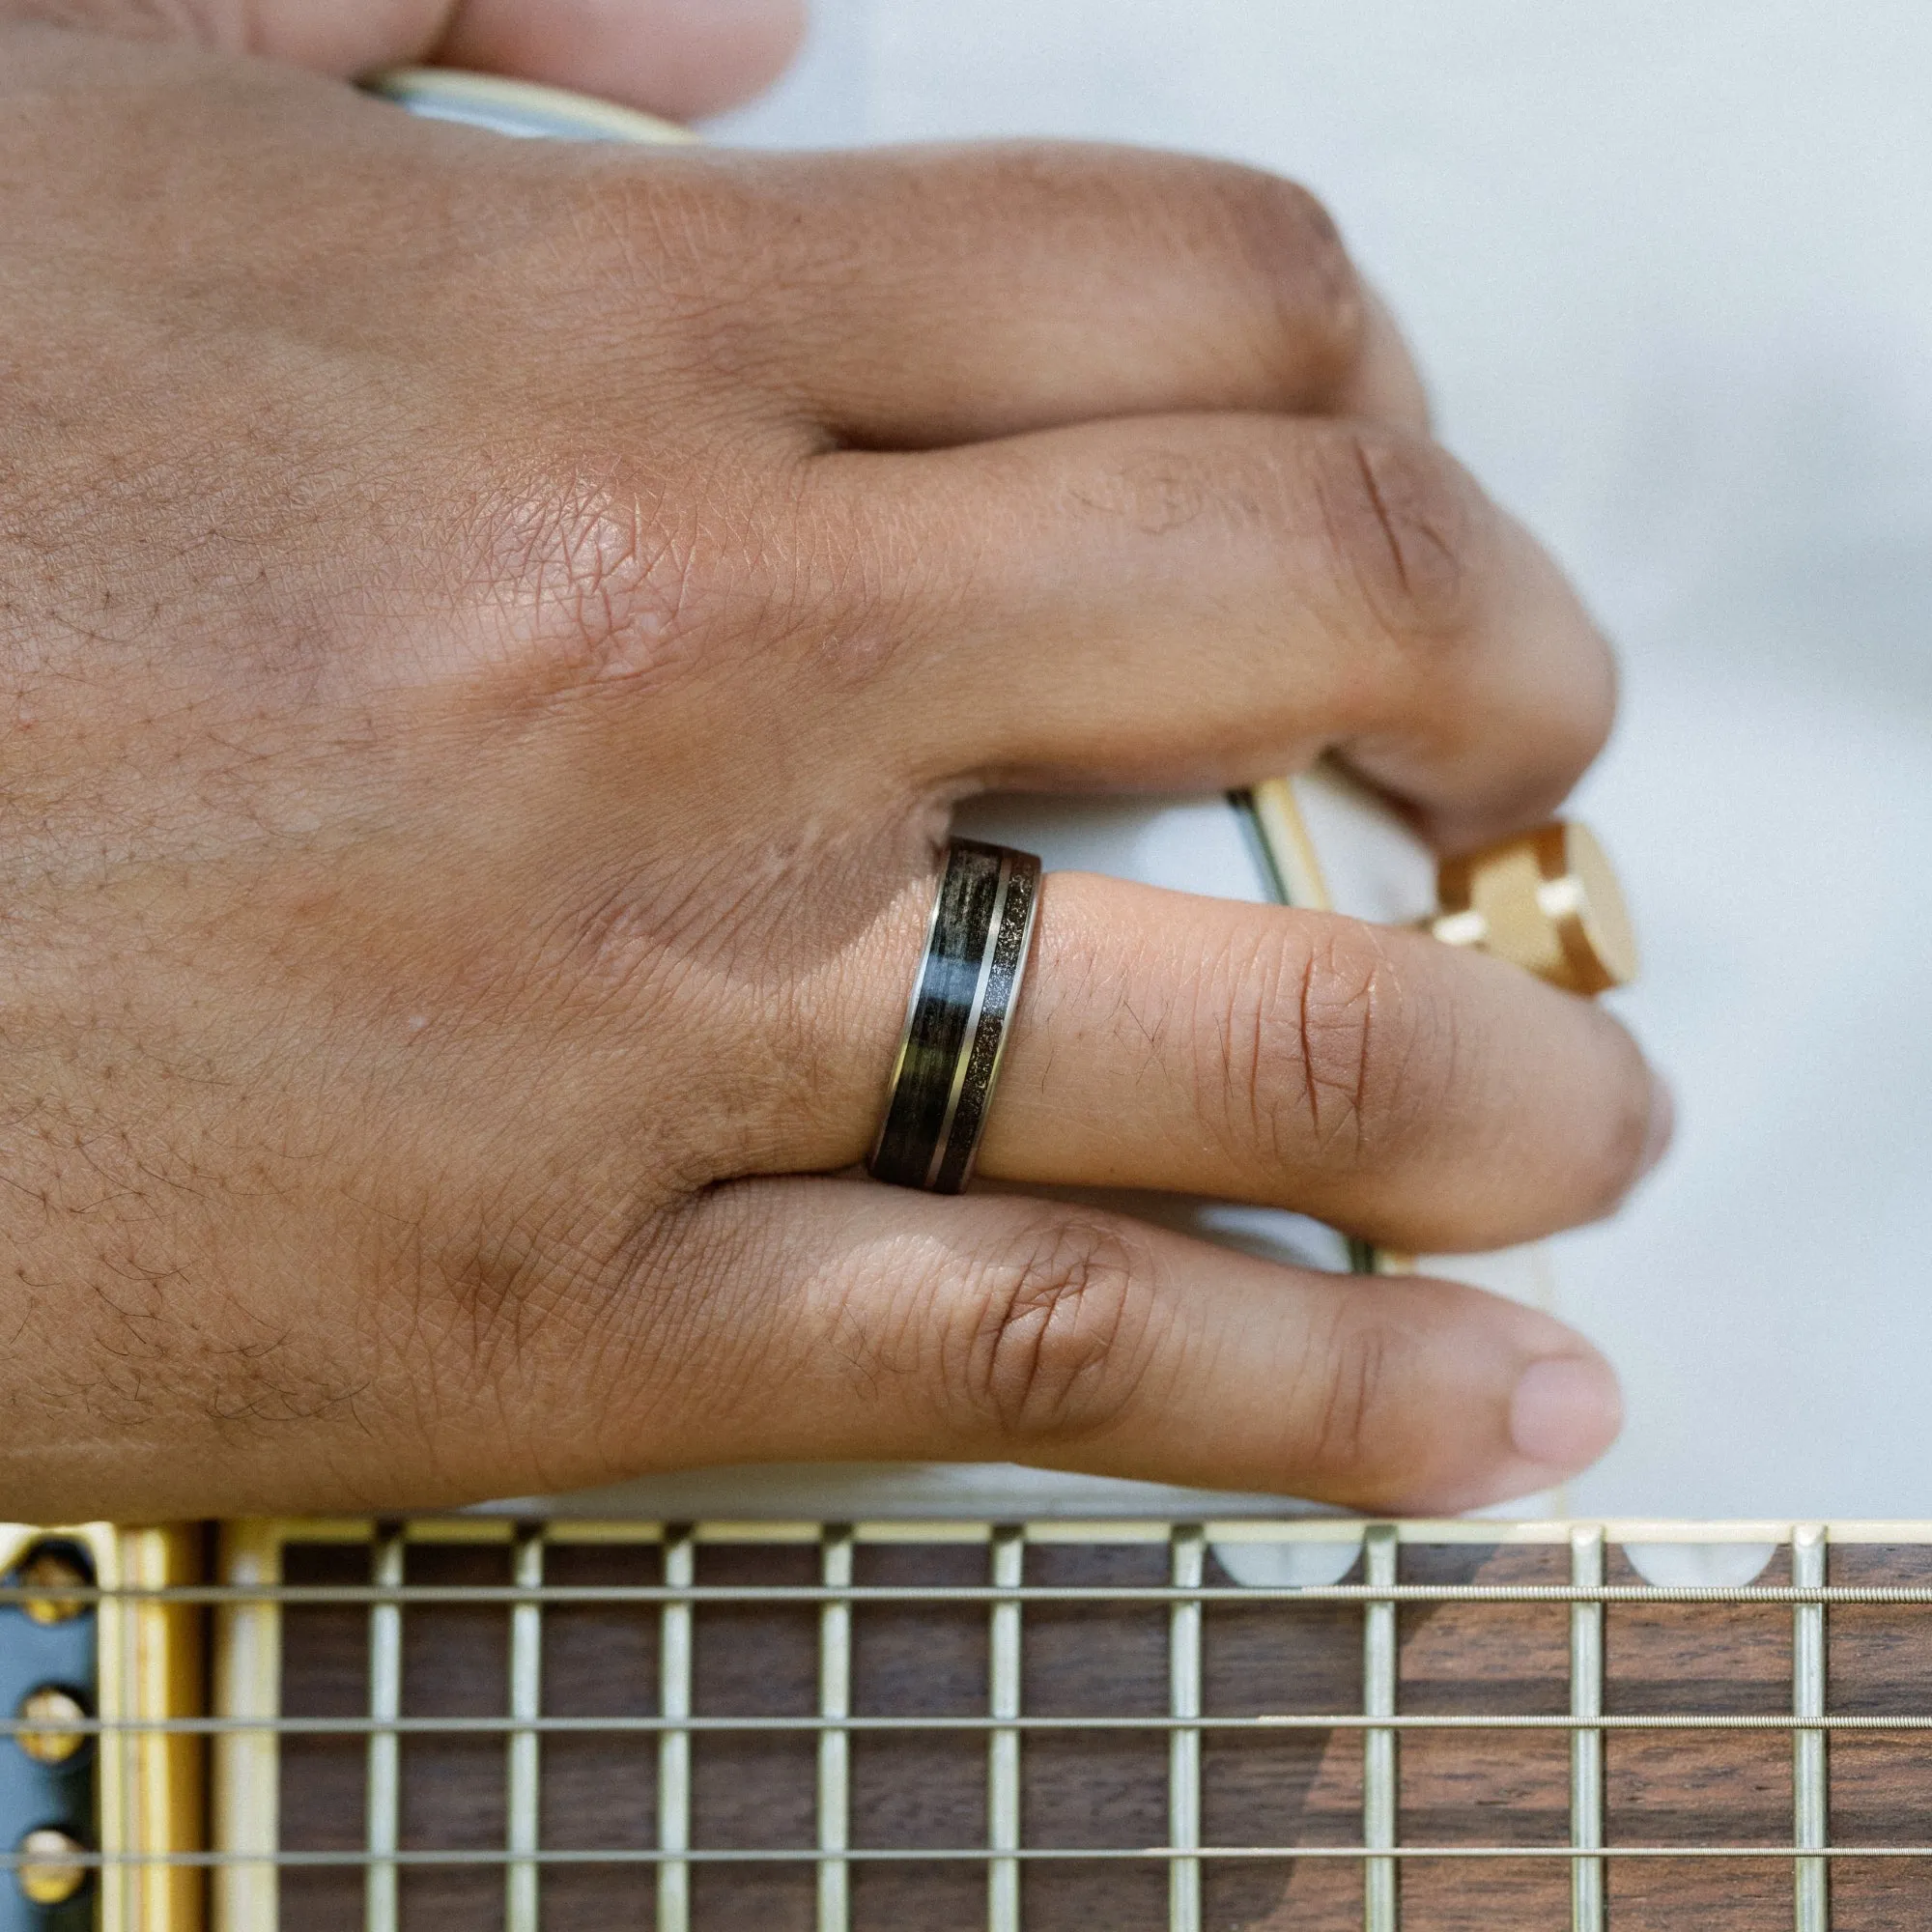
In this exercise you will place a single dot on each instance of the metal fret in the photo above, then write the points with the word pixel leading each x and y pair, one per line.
pixel 522 1766
pixel 1586 1746
pixel 1003 1746
pixel 1810 1796
pixel 835 1743
pixel 675 1672
pixel 1187 1563
pixel 1378 1760
pixel 383 1799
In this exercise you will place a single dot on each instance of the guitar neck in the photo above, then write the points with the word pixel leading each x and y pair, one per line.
pixel 1130 1723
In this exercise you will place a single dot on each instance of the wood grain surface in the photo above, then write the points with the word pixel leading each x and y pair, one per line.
pixel 1102 1789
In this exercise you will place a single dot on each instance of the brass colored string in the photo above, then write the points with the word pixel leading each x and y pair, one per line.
pixel 306 1595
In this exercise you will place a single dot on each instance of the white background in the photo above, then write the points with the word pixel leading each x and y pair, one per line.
pixel 1670 270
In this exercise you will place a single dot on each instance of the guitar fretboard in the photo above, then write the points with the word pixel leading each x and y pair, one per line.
pixel 1129 1724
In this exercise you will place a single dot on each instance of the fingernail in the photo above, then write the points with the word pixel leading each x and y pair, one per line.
pixel 1566 1411
pixel 1662 1123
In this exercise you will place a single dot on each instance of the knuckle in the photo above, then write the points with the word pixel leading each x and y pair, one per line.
pixel 1321 1055
pixel 586 575
pixel 1407 531
pixel 1286 242
pixel 1055 1335
pixel 1253 238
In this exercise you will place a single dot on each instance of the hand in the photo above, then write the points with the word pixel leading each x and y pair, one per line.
pixel 492 635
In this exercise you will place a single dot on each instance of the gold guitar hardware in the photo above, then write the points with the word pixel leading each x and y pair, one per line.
pixel 55 1566
pixel 50 1871
pixel 1548 902
pixel 56 1714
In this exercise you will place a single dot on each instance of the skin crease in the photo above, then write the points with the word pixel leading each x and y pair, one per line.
pixel 490 636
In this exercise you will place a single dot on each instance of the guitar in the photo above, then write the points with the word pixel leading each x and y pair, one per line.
pixel 870 1698
pixel 843 1699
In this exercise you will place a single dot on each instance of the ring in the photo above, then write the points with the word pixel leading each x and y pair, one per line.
pixel 955 1025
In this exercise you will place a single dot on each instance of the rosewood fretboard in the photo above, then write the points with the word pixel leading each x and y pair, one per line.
pixel 1073 1726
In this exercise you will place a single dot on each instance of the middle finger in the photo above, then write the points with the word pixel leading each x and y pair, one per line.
pixel 1198 601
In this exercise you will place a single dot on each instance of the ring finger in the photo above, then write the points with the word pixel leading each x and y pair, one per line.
pixel 1404 1090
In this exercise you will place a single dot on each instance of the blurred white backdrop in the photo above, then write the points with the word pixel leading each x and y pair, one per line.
pixel 1669 271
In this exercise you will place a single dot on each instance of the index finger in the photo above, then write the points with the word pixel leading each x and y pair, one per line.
pixel 929 297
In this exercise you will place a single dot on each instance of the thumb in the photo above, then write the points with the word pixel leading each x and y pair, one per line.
pixel 680 58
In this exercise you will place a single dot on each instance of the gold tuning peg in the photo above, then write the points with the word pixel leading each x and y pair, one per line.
pixel 1547 900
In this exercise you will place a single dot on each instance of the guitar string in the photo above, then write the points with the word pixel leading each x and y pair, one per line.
pixel 568 1595
pixel 1184 1596
pixel 510 1725
pixel 764 1854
